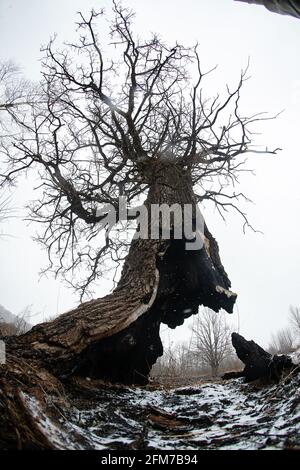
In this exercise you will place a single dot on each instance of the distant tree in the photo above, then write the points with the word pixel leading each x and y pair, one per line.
pixel 5 209
pixel 7 329
pixel 15 91
pixel 211 339
pixel 22 322
pixel 19 324
pixel 295 320
pixel 178 362
pixel 16 95
pixel 282 342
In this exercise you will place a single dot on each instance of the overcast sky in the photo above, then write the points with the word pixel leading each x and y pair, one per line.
pixel 264 268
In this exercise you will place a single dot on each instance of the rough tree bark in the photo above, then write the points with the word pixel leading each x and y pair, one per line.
pixel 116 337
pixel 102 130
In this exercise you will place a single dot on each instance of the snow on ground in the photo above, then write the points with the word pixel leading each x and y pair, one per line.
pixel 213 415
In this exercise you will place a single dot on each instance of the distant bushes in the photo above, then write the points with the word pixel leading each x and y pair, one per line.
pixel 8 329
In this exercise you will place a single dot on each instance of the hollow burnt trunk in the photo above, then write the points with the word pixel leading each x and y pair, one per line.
pixel 116 337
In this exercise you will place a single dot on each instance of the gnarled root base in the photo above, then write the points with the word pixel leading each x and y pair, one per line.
pixel 126 357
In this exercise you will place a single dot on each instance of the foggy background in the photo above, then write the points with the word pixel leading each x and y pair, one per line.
pixel 263 267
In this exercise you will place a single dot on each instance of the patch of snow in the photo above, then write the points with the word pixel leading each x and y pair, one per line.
pixel 217 415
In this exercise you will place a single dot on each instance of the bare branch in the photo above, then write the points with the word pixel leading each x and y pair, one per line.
pixel 108 122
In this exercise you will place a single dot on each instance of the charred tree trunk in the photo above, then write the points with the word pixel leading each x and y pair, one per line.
pixel 259 364
pixel 116 337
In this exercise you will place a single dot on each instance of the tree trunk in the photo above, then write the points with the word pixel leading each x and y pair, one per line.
pixel 259 364
pixel 115 337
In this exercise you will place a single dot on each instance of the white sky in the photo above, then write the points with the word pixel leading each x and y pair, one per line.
pixel 264 269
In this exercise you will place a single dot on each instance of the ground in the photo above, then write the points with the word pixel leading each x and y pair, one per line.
pixel 208 415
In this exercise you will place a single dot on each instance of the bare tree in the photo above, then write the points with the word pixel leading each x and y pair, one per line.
pixel 184 363
pixel 16 324
pixel 5 209
pixel 16 94
pixel 116 124
pixel 211 339
pixel 168 365
pixel 295 320
pixel 23 320
pixel 285 340
pixel 282 342
pixel 12 90
pixel 131 120
pixel 179 364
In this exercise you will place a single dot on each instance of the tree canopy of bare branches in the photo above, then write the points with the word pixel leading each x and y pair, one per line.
pixel 109 122
pixel 130 120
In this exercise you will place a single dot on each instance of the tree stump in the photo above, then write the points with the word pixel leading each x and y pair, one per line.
pixel 259 364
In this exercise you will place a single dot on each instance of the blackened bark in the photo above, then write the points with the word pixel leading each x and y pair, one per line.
pixel 117 337
pixel 259 364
